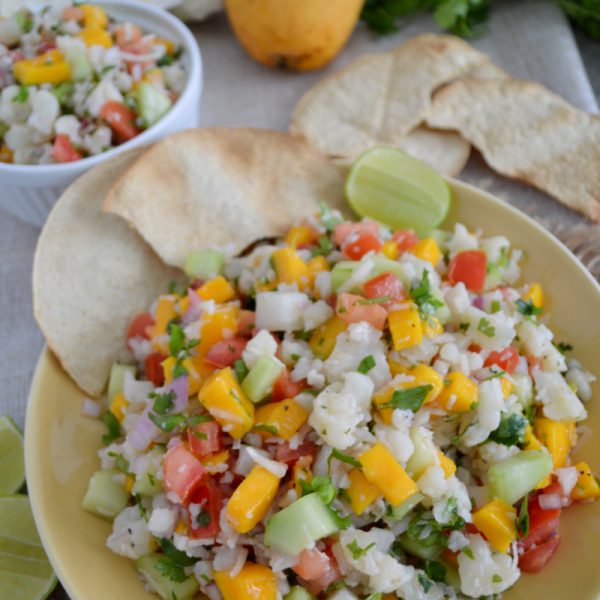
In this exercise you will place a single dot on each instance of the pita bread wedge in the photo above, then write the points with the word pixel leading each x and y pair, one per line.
pixel 91 275
pixel 527 132
pixel 379 99
pixel 223 186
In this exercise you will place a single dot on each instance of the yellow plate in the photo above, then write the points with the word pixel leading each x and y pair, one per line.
pixel 61 444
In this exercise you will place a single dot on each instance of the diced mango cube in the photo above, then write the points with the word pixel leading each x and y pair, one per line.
pixel 427 249
pixel 253 582
pixel 506 386
pixel 129 481
pixel 361 492
pixel 459 393
pixel 252 499
pixel 496 520
pixel 535 293
pixel 530 441
pixel 286 417
pixel 220 325
pixel 406 328
pixel 165 313
pixel 587 487
pixel 50 67
pixel 447 464
pixel 96 36
pixel 118 405
pixel 217 289
pixel 382 470
pixel 397 368
pixel 301 472
pixel 168 44
pixel 290 267
pixel 322 341
pixel 194 379
pixel 556 436
pixel 300 235
pixel 212 462
pixel 224 399
pixel 390 249
pixel 432 327
pixel 94 16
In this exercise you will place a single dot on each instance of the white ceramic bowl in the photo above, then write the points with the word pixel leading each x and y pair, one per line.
pixel 29 191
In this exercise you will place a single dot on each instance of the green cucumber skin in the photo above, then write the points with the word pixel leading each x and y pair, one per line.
pixel 105 497
pixel 403 509
pixel 163 586
pixel 424 454
pixel 417 549
pixel 204 264
pixel 517 475
pixel 152 104
pixel 116 380
pixel 298 593
pixel 300 524
pixel 142 485
pixel 258 383
pixel 81 67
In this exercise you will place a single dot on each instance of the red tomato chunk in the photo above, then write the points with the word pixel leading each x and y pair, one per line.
pixel 468 267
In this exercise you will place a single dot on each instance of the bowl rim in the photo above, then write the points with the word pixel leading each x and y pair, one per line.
pixel 193 82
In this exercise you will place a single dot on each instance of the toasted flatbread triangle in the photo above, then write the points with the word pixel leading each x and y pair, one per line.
pixel 91 275
pixel 223 186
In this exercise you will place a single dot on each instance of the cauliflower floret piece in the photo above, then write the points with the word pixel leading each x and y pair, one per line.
pixel 11 111
pixel 70 126
pixel 457 299
pixel 461 240
pixel 491 332
pixel 316 314
pixel 492 452
pixel 536 339
pixel 448 496
pixel 397 438
pixel 98 141
pixel 103 92
pixel 491 403
pixel 494 246
pixel 162 521
pixel 20 136
pixel 291 349
pixel 281 310
pixel 131 536
pixel 486 573
pixel 262 344
pixel 560 401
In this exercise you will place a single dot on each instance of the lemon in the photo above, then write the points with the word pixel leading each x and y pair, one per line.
pixel 12 463
pixel 398 190
pixel 25 573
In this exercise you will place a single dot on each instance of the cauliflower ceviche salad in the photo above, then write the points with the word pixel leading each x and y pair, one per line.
pixel 75 82
pixel 349 412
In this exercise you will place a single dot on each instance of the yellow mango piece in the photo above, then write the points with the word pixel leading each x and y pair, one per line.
pixel 290 267
pixel 459 393
pixel 6 154
pixel 286 417
pixel 50 67
pixel 322 341
pixel 432 327
pixel 194 379
pixel 587 487
pixel 118 405
pixel 253 582
pixel 211 462
pixel 544 483
pixel 507 386
pixel 382 470
pixel 220 325
pixel 96 36
pixel 300 235
pixel 94 16
pixel 361 493
pixel 300 472
pixel 217 289
pixel 556 436
pixel 530 441
pixel 129 481
pixel 168 44
pixel 390 249
pixel 252 499
pixel 181 527
pixel 447 464
pixel 535 293
pixel 496 520
pixel 165 312
pixel 224 399
pixel 397 368
pixel 405 327
pixel 427 249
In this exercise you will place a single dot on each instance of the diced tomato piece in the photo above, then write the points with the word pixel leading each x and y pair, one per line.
pixel 534 560
pixel 474 348
pixel 384 285
pixel 153 368
pixel 450 557
pixel 206 525
pixel 183 472
pixel 342 231
pixel 329 576
pixel 534 362
pixel 543 524
pixel 139 326
pixel 121 119
pixel 204 438
pixel 63 150
pixel 285 387
pixel 405 238
pixel 127 34
pixel 355 249
pixel 470 268
pixel 289 456
pixel 312 564
pixel 73 13
pixel 226 352
pixel 507 359
pixel 140 48
pixel 353 309
pixel 246 320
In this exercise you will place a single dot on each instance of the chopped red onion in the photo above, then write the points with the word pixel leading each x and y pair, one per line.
pixel 180 387
pixel 478 302
pixel 143 432
pixel 91 408
pixel 550 501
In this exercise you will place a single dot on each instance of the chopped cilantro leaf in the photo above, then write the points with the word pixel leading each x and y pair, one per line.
pixel 122 464
pixel 114 428
pixel 163 403
pixel 170 569
pixel 366 364
pixel 240 369
pixel 468 552
pixel 496 578
pixel 345 458
pixel 486 328
pixel 179 557
pixel 425 583
pixel 563 347
pixel 203 518
pixel 380 300
pixel 328 219
pixel 408 399
pixel 424 299
pixel 321 485
pixel 523 518
pixel 325 247
pixel 511 430
pixel 436 571
pixel 168 422
pixel 357 551
pixel 22 95
pixel 527 308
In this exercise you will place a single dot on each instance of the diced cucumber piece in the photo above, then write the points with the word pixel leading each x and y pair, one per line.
pixel 419 549
pixel 204 264
pixel 299 525
pixel 441 312
pixel 523 389
pixel 298 593
pixel 153 104
pixel 452 576
pixel 343 594
pixel 441 236
pixel 403 509
pixel 146 483
pixel 116 380
pixel 424 454
pixel 105 497
pixel 260 379
pixel 517 475
pixel 81 67
pixel 493 277
pixel 341 272
pixel 164 586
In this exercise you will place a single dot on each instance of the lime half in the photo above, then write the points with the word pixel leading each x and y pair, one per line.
pixel 25 573
pixel 398 190
pixel 12 463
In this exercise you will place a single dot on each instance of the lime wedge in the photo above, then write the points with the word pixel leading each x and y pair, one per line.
pixel 398 190
pixel 25 573
pixel 12 463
